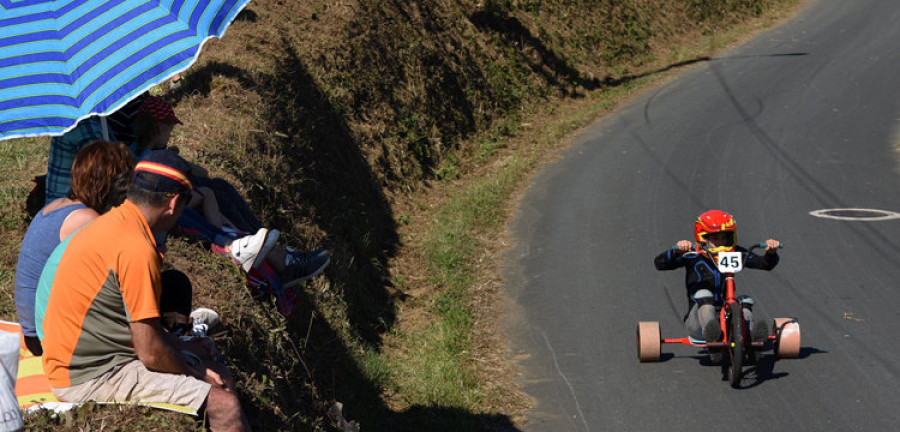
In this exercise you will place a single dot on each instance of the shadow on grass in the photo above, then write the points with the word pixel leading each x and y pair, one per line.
pixel 551 67
pixel 328 175
pixel 324 177
pixel 556 70
pixel 439 419
pixel 402 72
pixel 348 203
pixel 200 80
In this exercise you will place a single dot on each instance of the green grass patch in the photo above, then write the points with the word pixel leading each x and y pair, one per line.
pixel 437 367
pixel 437 370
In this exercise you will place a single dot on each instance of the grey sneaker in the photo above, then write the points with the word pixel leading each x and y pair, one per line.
pixel 712 332
pixel 251 250
pixel 294 255
pixel 760 332
pixel 302 269
pixel 205 321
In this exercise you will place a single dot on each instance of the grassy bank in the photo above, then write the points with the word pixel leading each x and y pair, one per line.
pixel 398 136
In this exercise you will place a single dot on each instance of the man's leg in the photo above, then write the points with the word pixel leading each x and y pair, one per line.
pixel 133 382
pixel 224 410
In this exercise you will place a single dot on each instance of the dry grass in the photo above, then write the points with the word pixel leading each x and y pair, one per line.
pixel 355 125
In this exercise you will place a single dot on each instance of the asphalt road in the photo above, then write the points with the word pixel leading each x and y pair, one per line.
pixel 804 117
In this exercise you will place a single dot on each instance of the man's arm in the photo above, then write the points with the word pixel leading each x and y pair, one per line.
pixel 156 352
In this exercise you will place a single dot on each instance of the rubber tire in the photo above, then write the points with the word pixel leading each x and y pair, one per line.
pixel 787 338
pixel 736 345
pixel 649 344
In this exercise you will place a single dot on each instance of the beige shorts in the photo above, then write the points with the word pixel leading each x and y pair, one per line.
pixel 132 382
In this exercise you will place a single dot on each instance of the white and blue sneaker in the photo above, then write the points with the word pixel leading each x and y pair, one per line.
pixel 251 250
pixel 205 321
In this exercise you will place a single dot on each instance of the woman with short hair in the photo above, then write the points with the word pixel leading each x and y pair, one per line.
pixel 101 175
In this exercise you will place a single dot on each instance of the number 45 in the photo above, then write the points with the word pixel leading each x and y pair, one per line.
pixel 730 262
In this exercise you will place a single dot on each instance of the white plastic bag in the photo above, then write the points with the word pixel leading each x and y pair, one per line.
pixel 10 416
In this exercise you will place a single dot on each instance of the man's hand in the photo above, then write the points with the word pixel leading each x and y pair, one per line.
pixel 155 349
pixel 772 246
pixel 684 245
pixel 213 378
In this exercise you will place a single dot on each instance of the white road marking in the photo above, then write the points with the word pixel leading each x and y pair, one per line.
pixel 566 380
pixel 856 214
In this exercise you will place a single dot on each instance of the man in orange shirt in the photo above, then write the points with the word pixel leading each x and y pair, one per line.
pixel 102 333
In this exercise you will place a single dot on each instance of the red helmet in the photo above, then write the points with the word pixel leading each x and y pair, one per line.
pixel 716 221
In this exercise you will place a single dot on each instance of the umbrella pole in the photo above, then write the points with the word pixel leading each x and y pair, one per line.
pixel 103 128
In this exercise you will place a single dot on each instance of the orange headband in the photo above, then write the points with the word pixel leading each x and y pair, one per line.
pixel 164 171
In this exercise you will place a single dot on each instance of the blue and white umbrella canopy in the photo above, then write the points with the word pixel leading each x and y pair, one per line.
pixel 64 60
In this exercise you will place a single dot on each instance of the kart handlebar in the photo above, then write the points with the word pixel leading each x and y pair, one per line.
pixel 695 246
pixel 763 245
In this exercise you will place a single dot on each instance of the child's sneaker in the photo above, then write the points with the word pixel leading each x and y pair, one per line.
pixel 760 332
pixel 712 332
pixel 251 250
pixel 205 321
pixel 302 269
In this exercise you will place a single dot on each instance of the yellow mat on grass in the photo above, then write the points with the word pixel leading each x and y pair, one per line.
pixel 33 389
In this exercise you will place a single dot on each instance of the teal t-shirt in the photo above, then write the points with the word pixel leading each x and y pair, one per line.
pixel 42 296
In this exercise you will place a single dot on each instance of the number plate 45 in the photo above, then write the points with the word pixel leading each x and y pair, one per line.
pixel 730 262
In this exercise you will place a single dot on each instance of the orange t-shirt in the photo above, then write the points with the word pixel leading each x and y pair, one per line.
pixel 107 277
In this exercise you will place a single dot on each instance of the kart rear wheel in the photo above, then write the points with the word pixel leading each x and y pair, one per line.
pixel 787 337
pixel 736 344
pixel 648 341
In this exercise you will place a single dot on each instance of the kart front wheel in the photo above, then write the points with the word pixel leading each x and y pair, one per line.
pixel 787 337
pixel 648 341
pixel 736 346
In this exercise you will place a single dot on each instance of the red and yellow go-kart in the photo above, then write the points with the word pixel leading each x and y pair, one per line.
pixel 736 340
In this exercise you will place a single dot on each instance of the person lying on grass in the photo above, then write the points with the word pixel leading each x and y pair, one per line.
pixel 153 126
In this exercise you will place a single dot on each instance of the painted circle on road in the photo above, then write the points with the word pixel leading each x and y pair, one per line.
pixel 856 214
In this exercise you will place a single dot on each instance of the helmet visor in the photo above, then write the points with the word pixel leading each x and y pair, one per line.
pixel 720 239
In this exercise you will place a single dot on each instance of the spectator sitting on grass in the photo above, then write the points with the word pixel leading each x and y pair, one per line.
pixel 64 149
pixel 154 124
pixel 102 334
pixel 101 174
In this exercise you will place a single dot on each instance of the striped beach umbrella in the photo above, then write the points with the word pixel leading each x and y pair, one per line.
pixel 64 60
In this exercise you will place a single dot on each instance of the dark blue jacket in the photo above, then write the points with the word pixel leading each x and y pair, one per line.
pixel 701 272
